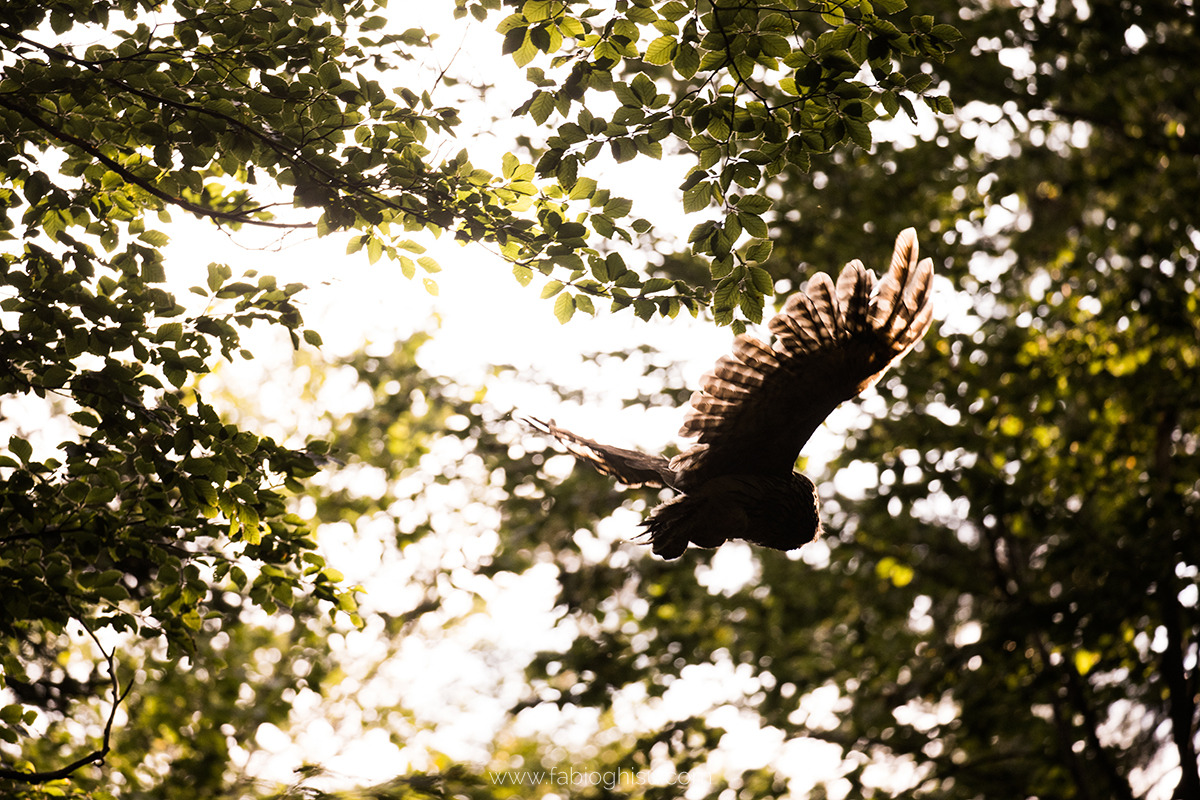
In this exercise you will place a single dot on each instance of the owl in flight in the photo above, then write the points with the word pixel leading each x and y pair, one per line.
pixel 757 408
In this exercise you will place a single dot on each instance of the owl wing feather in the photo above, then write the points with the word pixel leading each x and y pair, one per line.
pixel 630 467
pixel 758 406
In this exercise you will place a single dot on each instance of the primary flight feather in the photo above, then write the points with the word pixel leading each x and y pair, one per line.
pixel 759 405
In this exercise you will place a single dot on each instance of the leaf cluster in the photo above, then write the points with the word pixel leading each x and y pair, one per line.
pixel 748 90
pixel 140 508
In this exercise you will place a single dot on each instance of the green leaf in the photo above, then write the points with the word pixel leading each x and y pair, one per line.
pixel 564 308
pixel 761 279
pixel 751 305
pixel 571 230
pixel 169 332
pixel 537 10
pixel 662 50
pixel 514 37
pixel 238 576
pixel 509 166
pixel 918 83
pixel 584 189
pixel 759 250
pixel 947 33
pixel 623 150
pixel 753 203
pixel 922 22
pixel 702 231
pixel 154 238
pixel 329 74
pixel 153 272
pixel 568 173
pixel 11 714
pixel 686 61
pixel 697 198
pixel 541 107
pixel 746 174
pixel 615 266
pixel 860 132
pixel 20 448
pixel 890 105
pixel 753 224
pixel 643 89
pixel 675 10
pixel 648 147
pixel 618 207
pixel 526 52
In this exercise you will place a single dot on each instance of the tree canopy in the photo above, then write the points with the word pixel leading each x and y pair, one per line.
pixel 1010 608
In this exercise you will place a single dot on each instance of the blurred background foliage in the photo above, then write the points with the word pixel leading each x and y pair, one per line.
pixel 1009 609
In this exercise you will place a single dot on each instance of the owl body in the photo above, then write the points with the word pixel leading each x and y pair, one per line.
pixel 781 513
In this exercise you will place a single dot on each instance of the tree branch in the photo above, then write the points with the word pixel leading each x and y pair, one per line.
pixel 1181 704
pixel 127 174
pixel 290 153
pixel 1076 699
pixel 1181 694
pixel 95 757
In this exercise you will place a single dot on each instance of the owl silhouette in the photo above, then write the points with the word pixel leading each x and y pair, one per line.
pixel 758 406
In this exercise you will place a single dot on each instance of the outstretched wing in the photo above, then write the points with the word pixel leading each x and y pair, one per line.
pixel 758 406
pixel 628 466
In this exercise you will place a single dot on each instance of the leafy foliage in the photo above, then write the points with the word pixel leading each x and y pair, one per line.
pixel 749 90
pixel 152 505
pixel 1009 608
pixel 217 112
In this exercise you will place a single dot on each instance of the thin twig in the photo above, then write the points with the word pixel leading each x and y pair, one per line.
pixel 97 756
